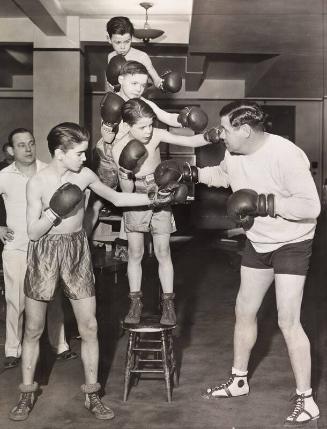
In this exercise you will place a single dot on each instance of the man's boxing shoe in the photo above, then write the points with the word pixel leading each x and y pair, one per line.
pixel 305 411
pixel 237 385
pixel 66 355
pixel 135 309
pixel 168 309
pixel 11 362
pixel 94 404
pixel 27 398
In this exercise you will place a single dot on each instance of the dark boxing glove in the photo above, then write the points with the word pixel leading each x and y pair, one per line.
pixel 63 202
pixel 110 109
pixel 212 135
pixel 113 70
pixel 131 157
pixel 245 204
pixel 167 172
pixel 194 118
pixel 171 82
pixel 190 173
pixel 173 193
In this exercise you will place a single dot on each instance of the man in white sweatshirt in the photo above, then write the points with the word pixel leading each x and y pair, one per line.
pixel 275 200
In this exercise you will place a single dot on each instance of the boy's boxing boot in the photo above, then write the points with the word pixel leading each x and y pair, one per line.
pixel 27 398
pixel 135 308
pixel 168 309
pixel 94 404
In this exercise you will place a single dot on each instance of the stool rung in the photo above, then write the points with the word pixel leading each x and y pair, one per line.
pixel 161 371
pixel 150 360
pixel 140 349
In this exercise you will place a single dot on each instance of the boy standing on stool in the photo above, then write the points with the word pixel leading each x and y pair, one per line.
pixel 138 115
pixel 120 32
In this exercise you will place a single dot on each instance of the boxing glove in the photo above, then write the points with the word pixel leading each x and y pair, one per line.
pixel 171 82
pixel 190 173
pixel 110 109
pixel 194 118
pixel 63 202
pixel 166 172
pixel 246 204
pixel 173 193
pixel 212 135
pixel 113 69
pixel 131 157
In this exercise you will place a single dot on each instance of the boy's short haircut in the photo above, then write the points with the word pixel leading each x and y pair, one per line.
pixel 17 131
pixel 65 135
pixel 135 109
pixel 119 25
pixel 133 67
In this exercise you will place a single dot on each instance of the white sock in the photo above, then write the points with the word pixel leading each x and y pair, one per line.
pixel 305 393
pixel 239 372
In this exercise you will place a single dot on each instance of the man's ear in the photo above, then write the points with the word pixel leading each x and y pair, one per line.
pixel 10 150
pixel 108 38
pixel 246 130
pixel 120 79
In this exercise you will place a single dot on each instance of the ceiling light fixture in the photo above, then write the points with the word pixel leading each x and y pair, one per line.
pixel 147 33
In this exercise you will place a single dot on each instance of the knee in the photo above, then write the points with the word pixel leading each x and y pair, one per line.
pixel 162 253
pixel 288 324
pixel 135 254
pixel 88 330
pixel 33 330
pixel 243 311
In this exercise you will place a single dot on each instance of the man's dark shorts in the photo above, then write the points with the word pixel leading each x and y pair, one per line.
pixel 59 259
pixel 293 258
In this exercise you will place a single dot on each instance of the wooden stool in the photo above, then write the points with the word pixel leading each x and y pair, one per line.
pixel 150 350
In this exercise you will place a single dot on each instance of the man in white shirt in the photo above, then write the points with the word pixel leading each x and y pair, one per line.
pixel 13 181
pixel 276 201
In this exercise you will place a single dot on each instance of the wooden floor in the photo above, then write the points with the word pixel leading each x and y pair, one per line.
pixel 206 284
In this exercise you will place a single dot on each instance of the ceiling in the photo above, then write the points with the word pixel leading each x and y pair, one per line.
pixel 276 47
pixel 89 8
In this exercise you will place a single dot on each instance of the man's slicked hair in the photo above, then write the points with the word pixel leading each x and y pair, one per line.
pixel 64 136
pixel 242 112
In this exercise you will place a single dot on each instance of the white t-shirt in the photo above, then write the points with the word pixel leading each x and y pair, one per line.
pixel 281 168
pixel 13 189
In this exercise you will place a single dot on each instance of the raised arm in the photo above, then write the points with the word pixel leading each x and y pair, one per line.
pixel 157 80
pixel 163 116
pixel 197 140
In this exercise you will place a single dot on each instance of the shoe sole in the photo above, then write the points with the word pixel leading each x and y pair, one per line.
pixel 18 419
pixel 301 424
pixel 102 417
pixel 211 397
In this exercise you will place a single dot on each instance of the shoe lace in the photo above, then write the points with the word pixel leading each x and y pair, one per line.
pixel 223 385
pixel 299 406
pixel 95 402
pixel 23 402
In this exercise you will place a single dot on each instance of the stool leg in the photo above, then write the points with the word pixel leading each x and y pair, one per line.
pixel 129 357
pixel 173 360
pixel 165 364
